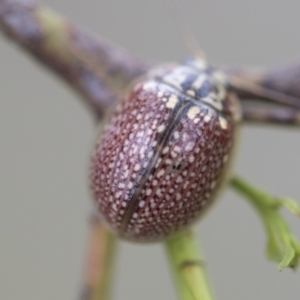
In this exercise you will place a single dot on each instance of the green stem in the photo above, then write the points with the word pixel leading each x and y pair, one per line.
pixel 187 267
pixel 282 246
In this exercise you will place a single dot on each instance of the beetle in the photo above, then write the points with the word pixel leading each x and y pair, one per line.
pixel 166 152
pixel 93 83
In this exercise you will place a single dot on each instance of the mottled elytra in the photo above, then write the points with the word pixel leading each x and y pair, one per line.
pixel 166 152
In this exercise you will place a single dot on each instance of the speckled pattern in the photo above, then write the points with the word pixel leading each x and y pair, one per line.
pixel 164 155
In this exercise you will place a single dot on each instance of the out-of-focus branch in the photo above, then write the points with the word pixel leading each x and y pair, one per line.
pixel 99 262
pixel 279 85
pixel 96 69
pixel 270 96
pixel 257 114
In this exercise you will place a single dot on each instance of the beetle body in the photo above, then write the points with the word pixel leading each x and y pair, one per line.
pixel 165 153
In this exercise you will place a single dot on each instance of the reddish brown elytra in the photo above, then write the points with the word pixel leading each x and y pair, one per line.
pixel 166 151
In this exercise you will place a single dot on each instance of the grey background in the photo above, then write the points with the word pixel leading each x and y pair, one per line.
pixel 46 136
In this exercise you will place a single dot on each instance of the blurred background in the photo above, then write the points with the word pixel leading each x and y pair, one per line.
pixel 46 136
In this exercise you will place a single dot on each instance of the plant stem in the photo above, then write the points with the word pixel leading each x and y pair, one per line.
pixel 96 69
pixel 187 267
pixel 99 263
pixel 263 83
pixel 282 245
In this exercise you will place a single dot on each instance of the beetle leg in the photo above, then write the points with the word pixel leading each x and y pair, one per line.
pixel 98 70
